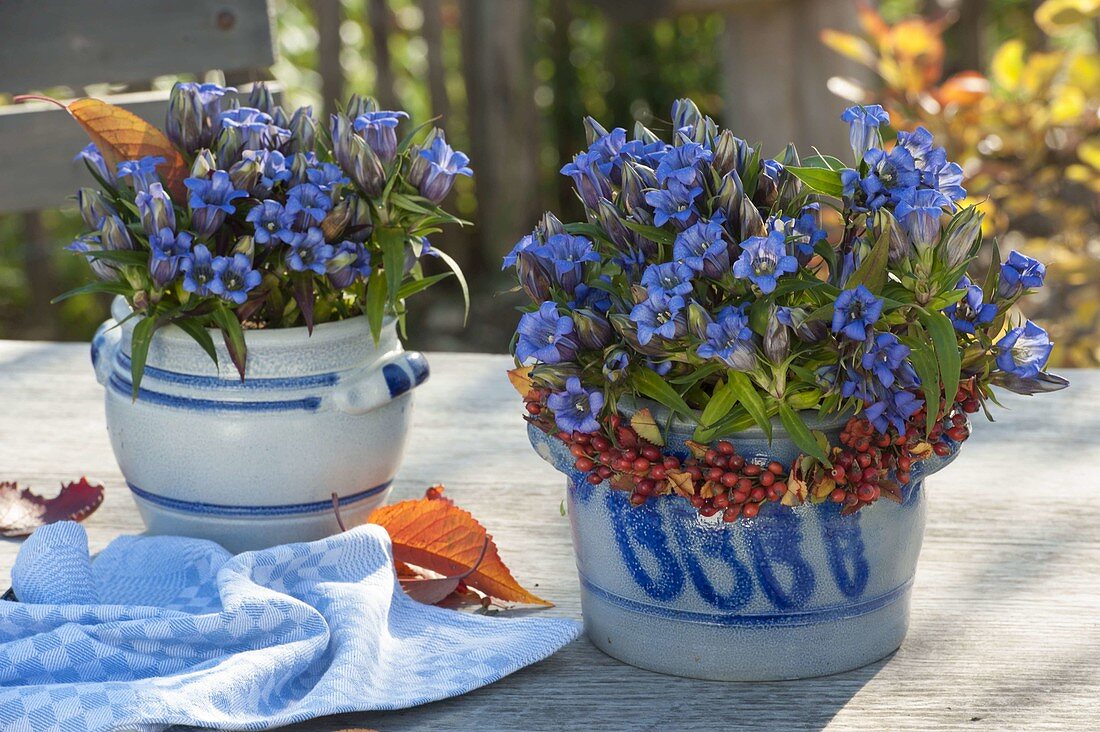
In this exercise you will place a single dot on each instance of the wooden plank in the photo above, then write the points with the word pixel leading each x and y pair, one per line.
pixel 47 43
pixel 37 145
pixel 1003 636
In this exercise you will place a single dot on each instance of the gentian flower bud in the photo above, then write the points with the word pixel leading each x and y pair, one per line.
pixel 379 129
pixel 194 112
pixel 299 169
pixel 93 207
pixel 533 275
pixel 777 339
pixel 113 234
pixel 611 222
pixel 245 173
pixel 1039 384
pixel 228 145
pixel 685 114
pixel 615 365
pixel 367 170
pixel 920 213
pixel 260 98
pixel 342 136
pixel 752 224
pixel 592 329
pixel 900 246
pixel 808 331
pixel 444 164
pixel 204 165
pixel 644 134
pixel 632 193
pixel 698 319
pixel 549 225
pixel 629 331
pixel 94 159
pixel 593 130
pixel 303 131
pixel 245 245
pixel 87 246
pixel 336 220
pixel 359 105
pixel 730 195
pixel 725 154
pixel 590 183
pixel 361 226
pixel 155 208
pixel 962 236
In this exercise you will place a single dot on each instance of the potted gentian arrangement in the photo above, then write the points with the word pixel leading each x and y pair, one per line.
pixel 746 367
pixel 261 265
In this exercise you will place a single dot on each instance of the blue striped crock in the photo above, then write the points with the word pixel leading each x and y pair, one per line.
pixel 254 463
pixel 793 593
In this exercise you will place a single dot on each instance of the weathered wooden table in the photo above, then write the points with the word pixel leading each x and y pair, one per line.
pixel 1006 623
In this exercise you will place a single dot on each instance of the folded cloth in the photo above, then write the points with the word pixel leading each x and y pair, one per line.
pixel 158 631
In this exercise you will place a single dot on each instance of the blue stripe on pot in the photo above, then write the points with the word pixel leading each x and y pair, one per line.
pixel 218 509
pixel 419 366
pixel 802 617
pixel 125 388
pixel 252 382
pixel 397 379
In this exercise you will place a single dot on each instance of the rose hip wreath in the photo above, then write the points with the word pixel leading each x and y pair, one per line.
pixel 708 279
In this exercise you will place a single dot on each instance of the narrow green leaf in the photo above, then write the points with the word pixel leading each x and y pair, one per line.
pixel 651 232
pixel 824 161
pixel 819 180
pixel 923 358
pixel 656 388
pixel 120 256
pixel 716 410
pixel 199 332
pixel 411 288
pixel 112 288
pixel 233 335
pixel 139 350
pixel 392 242
pixel 461 281
pixel 947 350
pixel 750 398
pixel 872 270
pixel 376 304
pixel 800 433
pixel 407 140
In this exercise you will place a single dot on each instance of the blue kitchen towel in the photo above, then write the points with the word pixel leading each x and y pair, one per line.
pixel 157 631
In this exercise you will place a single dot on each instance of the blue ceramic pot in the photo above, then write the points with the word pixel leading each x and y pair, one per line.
pixel 792 593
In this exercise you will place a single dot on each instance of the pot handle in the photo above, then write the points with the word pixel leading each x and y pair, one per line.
pixel 380 383
pixel 105 345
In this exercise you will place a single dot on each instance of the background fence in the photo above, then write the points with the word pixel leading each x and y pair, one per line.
pixel 512 80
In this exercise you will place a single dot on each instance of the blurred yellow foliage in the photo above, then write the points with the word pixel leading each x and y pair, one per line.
pixel 1027 132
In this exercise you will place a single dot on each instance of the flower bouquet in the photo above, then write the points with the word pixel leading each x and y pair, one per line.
pixel 733 356
pixel 299 242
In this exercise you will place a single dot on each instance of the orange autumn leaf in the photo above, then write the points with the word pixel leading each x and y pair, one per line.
pixel 434 533
pixel 121 135
pixel 521 380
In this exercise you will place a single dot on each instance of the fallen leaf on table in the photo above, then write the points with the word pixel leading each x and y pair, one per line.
pixel 22 511
pixel 121 135
pixel 433 533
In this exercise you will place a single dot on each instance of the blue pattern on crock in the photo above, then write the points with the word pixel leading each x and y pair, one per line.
pixel 844 546
pixel 124 387
pixel 218 509
pixel 642 526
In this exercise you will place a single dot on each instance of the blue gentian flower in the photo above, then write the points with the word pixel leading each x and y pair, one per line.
pixel 142 173
pixel 648 154
pixel 1023 351
pixel 155 208
pixel 307 205
pixel 661 368
pixel 269 220
pixel 257 129
pixel 167 251
pixel 659 315
pixel 593 298
pixel 576 409
pixel 852 191
pixel 326 176
pixel 855 311
pixel 349 263
pixel 763 260
pixel 683 164
pixel 567 255
pixel 891 408
pixel 238 278
pixel 90 154
pixel 591 184
pixel 444 163
pixel 379 129
pixel 675 203
pixel 805 232
pixel 273 169
pixel 671 278
pixel 919 143
pixel 88 245
pixel 920 212
pixel 1020 272
pixel 729 339
pixel 606 150
pixel 937 173
pixel 524 244
pixel 886 358
pixel 863 127
pixel 309 252
pixel 889 175
pixel 211 201
pixel 546 335
pixel 970 311
pixel 202 272
pixel 703 247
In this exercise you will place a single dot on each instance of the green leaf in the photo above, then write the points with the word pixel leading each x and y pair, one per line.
pixel 824 161
pixel 800 433
pixel 113 288
pixel 819 180
pixel 947 350
pixel 139 350
pixel 233 335
pixel 656 388
pixel 392 242
pixel 750 398
pixel 923 358
pixel 651 232
pixel 716 410
pixel 461 281
pixel 376 304
pixel 872 270
pixel 198 331
pixel 411 288
pixel 120 256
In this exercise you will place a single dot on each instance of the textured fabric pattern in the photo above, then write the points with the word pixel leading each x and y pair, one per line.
pixel 159 631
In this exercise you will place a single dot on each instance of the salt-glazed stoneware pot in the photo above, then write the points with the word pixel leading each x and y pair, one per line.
pixel 793 593
pixel 254 463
